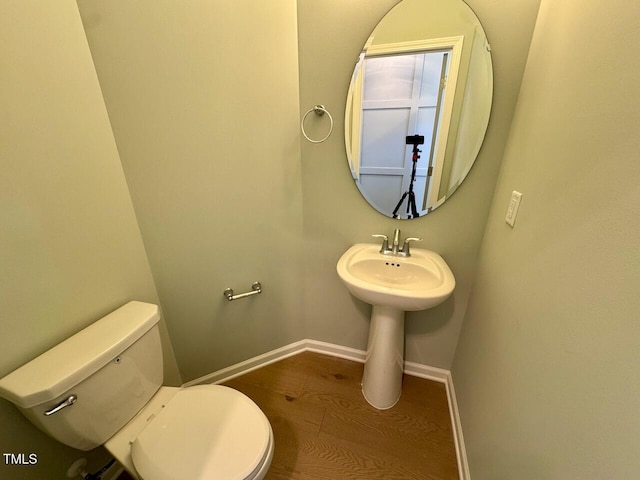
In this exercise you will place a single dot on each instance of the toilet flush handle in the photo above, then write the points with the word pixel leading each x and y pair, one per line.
pixel 67 403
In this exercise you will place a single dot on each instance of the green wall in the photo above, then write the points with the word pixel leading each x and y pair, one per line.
pixel 203 100
pixel 546 371
pixel 70 246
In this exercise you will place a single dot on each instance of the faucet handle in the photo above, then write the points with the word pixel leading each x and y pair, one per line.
pixel 385 242
pixel 405 247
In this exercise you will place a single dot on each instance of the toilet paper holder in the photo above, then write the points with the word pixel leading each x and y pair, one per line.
pixel 256 288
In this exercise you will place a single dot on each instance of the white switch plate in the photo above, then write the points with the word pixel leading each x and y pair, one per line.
pixel 512 211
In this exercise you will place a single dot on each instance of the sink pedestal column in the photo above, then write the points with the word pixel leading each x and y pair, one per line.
pixel 384 363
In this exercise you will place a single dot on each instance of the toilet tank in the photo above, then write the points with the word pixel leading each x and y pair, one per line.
pixel 113 367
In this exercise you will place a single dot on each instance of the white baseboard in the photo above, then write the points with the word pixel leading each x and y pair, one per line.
pixel 336 350
pixel 308 345
pixel 458 438
pixel 425 371
pixel 251 364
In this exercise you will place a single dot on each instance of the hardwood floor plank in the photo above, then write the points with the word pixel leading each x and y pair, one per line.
pixel 281 377
pixel 325 429
pixel 284 408
pixel 309 458
pixel 402 431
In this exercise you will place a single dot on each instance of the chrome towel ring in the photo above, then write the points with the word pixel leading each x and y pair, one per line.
pixel 320 111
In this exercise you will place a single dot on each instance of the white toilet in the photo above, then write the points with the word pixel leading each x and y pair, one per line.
pixel 103 387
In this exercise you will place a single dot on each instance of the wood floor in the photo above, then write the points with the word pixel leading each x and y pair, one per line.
pixel 324 428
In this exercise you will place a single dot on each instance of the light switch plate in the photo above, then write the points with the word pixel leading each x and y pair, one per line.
pixel 512 211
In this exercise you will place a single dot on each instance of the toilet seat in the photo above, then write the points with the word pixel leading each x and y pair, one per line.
pixel 204 432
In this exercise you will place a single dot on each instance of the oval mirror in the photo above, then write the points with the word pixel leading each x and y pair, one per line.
pixel 418 106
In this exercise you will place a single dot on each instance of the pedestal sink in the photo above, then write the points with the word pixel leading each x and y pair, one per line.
pixel 392 285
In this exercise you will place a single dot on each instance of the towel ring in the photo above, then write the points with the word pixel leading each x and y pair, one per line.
pixel 318 110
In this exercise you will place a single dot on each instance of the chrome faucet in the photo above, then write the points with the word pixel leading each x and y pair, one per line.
pixel 396 241
pixel 385 250
pixel 395 249
pixel 404 252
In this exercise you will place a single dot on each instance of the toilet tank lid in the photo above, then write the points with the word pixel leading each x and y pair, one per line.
pixel 70 362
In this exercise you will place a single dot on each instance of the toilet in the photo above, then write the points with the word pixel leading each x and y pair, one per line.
pixel 103 386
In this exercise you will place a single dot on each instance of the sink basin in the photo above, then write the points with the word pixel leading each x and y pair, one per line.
pixel 393 285
pixel 420 281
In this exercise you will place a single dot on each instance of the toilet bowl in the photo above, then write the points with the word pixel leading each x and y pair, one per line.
pixel 103 386
pixel 203 431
